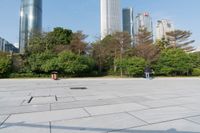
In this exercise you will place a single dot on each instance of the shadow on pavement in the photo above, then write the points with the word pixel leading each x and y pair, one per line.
pixel 85 129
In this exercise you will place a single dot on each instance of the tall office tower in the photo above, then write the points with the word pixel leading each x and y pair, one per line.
pixel 163 26
pixel 30 21
pixel 110 17
pixel 144 21
pixel 128 22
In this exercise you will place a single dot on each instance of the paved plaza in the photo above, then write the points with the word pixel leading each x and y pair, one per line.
pixel 161 105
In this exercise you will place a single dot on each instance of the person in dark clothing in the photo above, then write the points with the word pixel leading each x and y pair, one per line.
pixel 147 72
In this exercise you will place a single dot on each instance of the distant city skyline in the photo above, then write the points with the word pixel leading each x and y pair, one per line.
pixel 84 15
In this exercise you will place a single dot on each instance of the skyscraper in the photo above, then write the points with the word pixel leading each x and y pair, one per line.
pixel 110 17
pixel 128 21
pixel 144 21
pixel 30 21
pixel 5 46
pixel 163 26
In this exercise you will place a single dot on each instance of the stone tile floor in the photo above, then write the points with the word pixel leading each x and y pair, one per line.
pixel 161 105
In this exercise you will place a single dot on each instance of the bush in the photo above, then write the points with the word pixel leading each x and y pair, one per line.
pixel 173 62
pixel 196 72
pixel 5 65
pixel 133 66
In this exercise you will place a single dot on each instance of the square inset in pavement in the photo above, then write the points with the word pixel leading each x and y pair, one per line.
pixel 42 99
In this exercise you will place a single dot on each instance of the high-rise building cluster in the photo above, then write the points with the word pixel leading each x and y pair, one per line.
pixel 111 21
pixel 6 46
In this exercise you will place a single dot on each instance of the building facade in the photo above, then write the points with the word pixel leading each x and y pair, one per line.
pixel 5 46
pixel 30 21
pixel 110 17
pixel 163 26
pixel 143 21
pixel 128 22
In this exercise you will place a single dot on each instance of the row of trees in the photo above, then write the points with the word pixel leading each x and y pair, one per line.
pixel 67 52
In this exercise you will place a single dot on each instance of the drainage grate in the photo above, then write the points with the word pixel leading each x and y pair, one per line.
pixel 78 88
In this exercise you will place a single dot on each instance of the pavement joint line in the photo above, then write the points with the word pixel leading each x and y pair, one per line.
pixel 181 118
pixel 161 107
pixel 87 111
pixel 50 130
pixel 5 120
pixel 150 124
pixel 117 130
pixel 84 117
pixel 50 107
pixel 138 118
pixel 81 107
pixel 192 121
pixel 22 102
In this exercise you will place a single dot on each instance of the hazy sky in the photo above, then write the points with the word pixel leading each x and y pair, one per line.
pixel 85 15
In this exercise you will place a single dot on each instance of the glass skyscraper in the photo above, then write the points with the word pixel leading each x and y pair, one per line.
pixel 128 21
pixel 110 17
pixel 30 21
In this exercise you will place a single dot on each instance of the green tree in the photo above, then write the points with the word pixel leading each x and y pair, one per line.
pixel 122 43
pixel 74 65
pixel 173 62
pixel 162 44
pixel 78 45
pixel 5 65
pixel 195 62
pixel 37 62
pixel 57 41
pixel 60 36
pixel 132 66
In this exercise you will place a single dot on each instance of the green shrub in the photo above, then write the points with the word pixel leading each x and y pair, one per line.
pixel 173 62
pixel 133 66
pixel 196 72
pixel 5 65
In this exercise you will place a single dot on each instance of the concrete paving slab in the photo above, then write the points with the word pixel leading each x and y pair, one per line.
pixel 47 116
pixel 85 103
pixel 95 97
pixel 195 119
pixel 25 128
pixel 10 102
pixel 97 124
pixel 43 99
pixel 65 99
pixel 194 106
pixel 24 109
pixel 116 108
pixel 178 126
pixel 3 118
pixel 164 114
pixel 164 99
